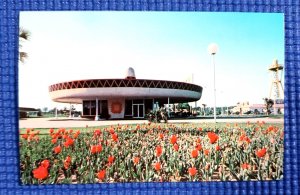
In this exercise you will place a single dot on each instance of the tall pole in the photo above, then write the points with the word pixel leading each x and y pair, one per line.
pixel 56 112
pixel 215 113
pixel 70 115
pixel 212 49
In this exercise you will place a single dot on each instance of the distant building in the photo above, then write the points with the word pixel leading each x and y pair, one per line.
pixel 247 108
pixel 258 108
pixel 25 112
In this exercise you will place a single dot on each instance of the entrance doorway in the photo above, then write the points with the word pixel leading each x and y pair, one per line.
pixel 138 110
pixel 103 109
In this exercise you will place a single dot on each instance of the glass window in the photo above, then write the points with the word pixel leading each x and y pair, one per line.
pixel 141 110
pixel 135 110
pixel 128 107
pixel 93 108
pixel 138 101
pixel 86 107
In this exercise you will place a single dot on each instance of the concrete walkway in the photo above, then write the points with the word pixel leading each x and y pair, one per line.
pixel 80 122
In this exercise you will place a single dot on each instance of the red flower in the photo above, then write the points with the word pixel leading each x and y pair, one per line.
pixel 270 128
pixel 68 142
pixel 31 136
pixel 54 141
pixel 114 136
pixel 157 166
pixel 194 153
pixel 75 135
pixel 136 160
pixel 54 136
pixel 200 129
pixel 98 148
pixel 40 173
pixel 261 153
pixel 245 166
pixel 93 149
pixel 158 151
pixel 97 132
pixel 173 139
pixel 198 140
pixel 45 163
pixel 25 136
pixel 247 139
pixel 111 159
pixel 68 159
pixel 192 171
pixel 138 127
pixel 218 148
pixel 51 131
pixel 111 131
pixel 101 175
pixel 67 162
pixel 161 136
pixel 242 137
pixel 57 149
pixel 206 152
pixel 176 147
pixel 212 137
pixel 198 147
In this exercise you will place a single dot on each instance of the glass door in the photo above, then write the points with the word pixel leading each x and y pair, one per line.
pixel 138 110
pixel 135 111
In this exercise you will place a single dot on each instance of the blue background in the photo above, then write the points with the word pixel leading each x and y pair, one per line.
pixel 9 163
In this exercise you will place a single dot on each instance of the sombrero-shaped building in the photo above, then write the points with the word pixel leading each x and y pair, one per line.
pixel 123 98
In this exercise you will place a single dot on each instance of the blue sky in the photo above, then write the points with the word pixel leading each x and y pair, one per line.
pixel 158 45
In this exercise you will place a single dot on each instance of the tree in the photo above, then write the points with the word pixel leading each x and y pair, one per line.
pixel 183 106
pixel 39 112
pixel 268 104
pixel 24 35
pixel 45 109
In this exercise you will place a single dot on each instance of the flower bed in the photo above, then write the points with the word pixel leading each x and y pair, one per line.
pixel 153 152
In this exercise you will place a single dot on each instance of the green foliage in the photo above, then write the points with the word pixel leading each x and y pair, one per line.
pixel 183 106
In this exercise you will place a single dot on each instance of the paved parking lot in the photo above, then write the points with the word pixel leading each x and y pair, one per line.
pixel 80 122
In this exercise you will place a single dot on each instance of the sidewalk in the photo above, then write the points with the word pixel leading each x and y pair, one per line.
pixel 80 122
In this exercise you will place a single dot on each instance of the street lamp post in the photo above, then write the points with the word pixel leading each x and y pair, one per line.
pixel 56 112
pixel 212 49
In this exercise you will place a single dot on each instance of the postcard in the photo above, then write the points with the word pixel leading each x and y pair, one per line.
pixel 108 97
